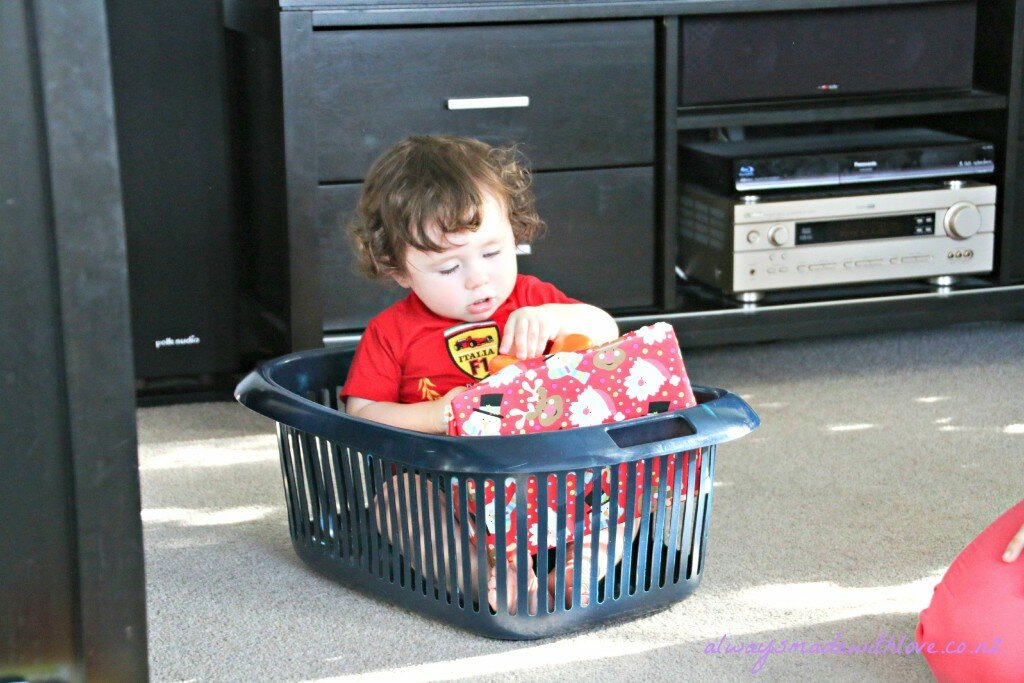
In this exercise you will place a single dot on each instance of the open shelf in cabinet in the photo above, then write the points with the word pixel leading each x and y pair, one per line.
pixel 847 109
pixel 703 316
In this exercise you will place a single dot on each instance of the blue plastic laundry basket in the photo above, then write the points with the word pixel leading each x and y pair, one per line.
pixel 374 506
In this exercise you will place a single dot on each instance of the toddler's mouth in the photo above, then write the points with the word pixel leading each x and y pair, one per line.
pixel 481 305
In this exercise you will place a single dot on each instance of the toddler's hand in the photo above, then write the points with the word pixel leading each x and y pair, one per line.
pixel 444 408
pixel 528 331
pixel 1012 551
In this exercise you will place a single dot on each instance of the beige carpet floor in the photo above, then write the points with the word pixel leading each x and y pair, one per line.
pixel 879 458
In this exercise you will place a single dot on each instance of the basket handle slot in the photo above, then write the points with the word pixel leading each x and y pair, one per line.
pixel 641 433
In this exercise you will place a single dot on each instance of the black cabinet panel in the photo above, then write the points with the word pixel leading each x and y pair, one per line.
pixel 350 299
pixel 600 243
pixel 590 87
pixel 599 246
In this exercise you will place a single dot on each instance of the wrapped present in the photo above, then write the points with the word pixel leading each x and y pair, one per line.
pixel 635 375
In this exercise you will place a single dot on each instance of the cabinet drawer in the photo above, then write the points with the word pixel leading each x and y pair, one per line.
pixel 599 246
pixel 349 299
pixel 590 87
pixel 600 243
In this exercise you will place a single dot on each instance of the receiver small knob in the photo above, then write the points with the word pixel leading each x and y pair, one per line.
pixel 778 235
pixel 962 220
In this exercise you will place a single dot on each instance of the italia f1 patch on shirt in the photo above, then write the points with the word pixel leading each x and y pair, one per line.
pixel 471 346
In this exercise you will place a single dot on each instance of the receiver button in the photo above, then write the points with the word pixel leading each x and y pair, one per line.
pixel 753 236
pixel 962 220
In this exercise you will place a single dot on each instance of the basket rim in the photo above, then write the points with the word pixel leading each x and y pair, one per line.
pixel 718 417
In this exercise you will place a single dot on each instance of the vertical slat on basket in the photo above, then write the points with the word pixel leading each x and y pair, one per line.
pixel 707 484
pixel 419 538
pixel 404 519
pixel 698 523
pixel 421 503
pixel 480 524
pixel 540 485
pixel 347 512
pixel 500 554
pixel 578 541
pixel 391 528
pixel 644 552
pixel 523 563
pixel 330 496
pixel 686 536
pixel 610 584
pixel 522 560
pixel 679 495
pixel 560 534
pixel 314 486
pixel 625 585
pixel 523 568
pixel 325 511
pixel 359 507
pixel 288 479
pixel 302 483
pixel 361 468
pixel 465 579
pixel 596 559
pixel 346 534
pixel 438 514
pixel 658 535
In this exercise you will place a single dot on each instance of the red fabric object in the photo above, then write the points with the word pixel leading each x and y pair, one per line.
pixel 979 600
pixel 638 374
pixel 409 354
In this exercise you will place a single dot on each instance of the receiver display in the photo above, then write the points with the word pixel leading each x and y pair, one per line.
pixel 851 229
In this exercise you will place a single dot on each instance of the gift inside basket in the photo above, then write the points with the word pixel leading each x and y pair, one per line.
pixel 391 511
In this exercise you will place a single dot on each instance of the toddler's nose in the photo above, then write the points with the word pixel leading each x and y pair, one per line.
pixel 476 276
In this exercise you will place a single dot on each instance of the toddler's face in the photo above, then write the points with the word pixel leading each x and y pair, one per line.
pixel 473 275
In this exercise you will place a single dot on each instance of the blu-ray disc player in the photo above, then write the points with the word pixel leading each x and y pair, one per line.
pixel 834 159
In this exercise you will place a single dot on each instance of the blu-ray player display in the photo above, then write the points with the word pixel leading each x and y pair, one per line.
pixel 835 159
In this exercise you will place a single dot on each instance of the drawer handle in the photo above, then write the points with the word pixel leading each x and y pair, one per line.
pixel 456 103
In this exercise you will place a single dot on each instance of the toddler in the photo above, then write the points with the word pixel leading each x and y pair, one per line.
pixel 442 217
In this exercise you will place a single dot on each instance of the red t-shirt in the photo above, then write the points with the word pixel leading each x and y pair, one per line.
pixel 410 354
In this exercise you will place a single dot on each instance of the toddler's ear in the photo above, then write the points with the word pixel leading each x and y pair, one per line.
pixel 400 277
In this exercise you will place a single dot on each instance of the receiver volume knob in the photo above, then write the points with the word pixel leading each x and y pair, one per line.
pixel 962 220
pixel 778 235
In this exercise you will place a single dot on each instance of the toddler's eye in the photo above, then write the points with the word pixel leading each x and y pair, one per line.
pixel 449 271
pixel 492 254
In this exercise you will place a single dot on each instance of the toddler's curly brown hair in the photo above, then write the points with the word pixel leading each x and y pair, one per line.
pixel 436 180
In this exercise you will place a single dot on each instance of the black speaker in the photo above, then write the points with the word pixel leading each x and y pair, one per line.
pixel 820 53
pixel 170 91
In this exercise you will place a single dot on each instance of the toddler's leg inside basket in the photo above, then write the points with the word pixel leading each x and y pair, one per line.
pixel 584 569
pixel 391 531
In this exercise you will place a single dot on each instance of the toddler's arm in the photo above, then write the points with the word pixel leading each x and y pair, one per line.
pixel 530 328
pixel 427 416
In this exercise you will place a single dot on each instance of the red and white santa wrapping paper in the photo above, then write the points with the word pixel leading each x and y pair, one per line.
pixel 637 374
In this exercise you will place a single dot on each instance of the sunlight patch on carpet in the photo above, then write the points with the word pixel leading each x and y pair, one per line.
pixel 205 517
pixel 586 649
pixel 852 427
pixel 832 602
pixel 225 452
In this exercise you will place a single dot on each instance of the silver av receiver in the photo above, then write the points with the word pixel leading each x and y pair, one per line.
pixel 748 245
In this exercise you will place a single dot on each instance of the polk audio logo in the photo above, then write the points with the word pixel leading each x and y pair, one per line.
pixel 190 340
